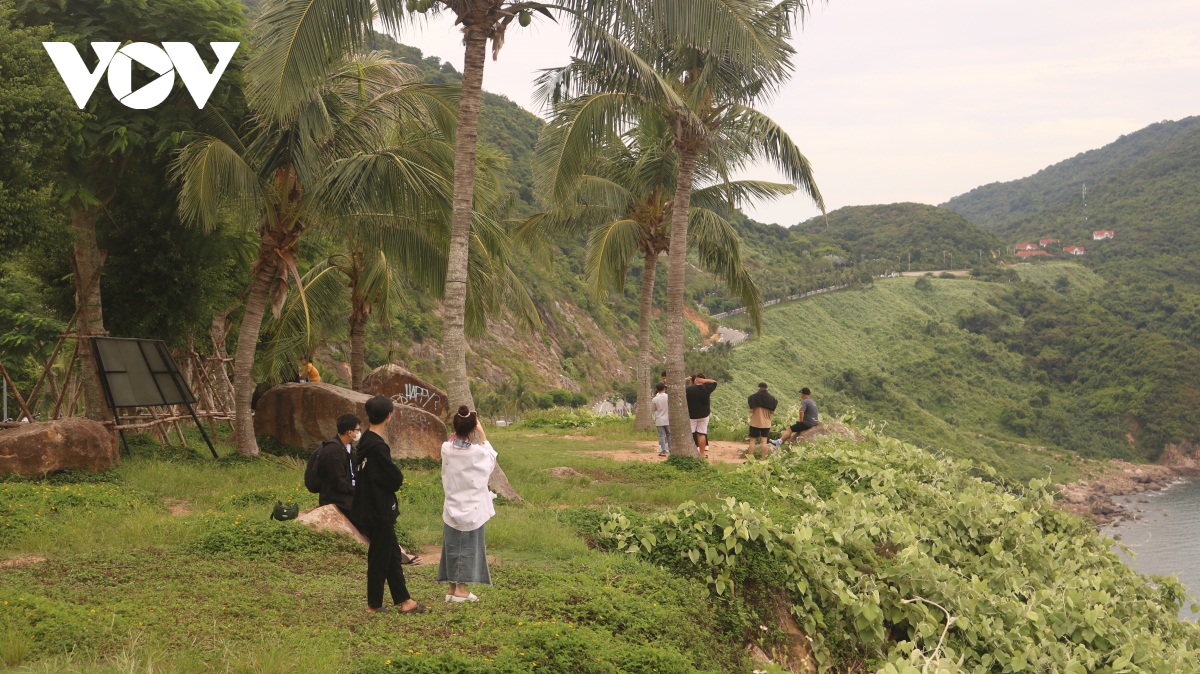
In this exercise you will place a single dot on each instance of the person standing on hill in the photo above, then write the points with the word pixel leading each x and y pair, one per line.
pixel 808 417
pixel 762 406
pixel 658 406
pixel 698 395
pixel 467 462
pixel 375 511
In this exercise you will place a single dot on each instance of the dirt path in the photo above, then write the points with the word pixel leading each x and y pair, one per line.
pixel 720 451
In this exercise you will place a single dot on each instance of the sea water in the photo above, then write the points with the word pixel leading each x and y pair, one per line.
pixel 1167 538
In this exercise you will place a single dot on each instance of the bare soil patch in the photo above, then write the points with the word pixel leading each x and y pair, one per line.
pixel 431 555
pixel 719 451
pixel 17 562
pixel 178 508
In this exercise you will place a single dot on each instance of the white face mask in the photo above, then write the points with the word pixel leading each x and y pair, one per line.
pixel 355 435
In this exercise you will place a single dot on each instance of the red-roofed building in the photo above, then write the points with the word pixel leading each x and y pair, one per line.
pixel 1046 242
pixel 1102 234
pixel 1032 253
pixel 1027 246
pixel 1073 250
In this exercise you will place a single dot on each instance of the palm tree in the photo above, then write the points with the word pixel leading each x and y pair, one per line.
pixel 702 68
pixel 303 165
pixel 625 197
pixel 303 32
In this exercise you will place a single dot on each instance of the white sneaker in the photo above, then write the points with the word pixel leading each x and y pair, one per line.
pixel 777 443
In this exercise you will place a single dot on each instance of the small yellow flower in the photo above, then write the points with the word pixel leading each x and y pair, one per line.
pixel 388 662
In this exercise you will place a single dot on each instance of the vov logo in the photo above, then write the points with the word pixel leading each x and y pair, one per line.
pixel 118 61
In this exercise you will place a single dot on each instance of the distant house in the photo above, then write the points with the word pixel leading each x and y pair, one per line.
pixel 1046 242
pixel 1102 234
pixel 1032 253
pixel 1073 250
pixel 1027 246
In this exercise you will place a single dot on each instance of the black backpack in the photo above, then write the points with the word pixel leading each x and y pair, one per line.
pixel 312 477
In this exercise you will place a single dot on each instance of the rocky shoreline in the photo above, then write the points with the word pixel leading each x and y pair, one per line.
pixel 1094 499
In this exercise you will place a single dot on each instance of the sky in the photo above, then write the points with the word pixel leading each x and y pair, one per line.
pixel 922 101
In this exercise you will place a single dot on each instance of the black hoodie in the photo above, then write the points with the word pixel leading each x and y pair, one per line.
pixel 378 479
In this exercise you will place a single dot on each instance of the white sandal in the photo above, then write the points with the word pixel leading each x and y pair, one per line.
pixel 458 600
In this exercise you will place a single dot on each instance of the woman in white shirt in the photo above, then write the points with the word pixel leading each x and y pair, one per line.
pixel 467 463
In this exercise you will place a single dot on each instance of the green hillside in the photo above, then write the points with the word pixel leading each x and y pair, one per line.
pixel 996 204
pixel 977 369
pixel 502 123
pixel 921 232
pixel 1154 208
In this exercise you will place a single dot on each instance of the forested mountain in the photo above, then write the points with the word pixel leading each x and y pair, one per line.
pixel 1153 206
pixel 918 233
pixel 997 204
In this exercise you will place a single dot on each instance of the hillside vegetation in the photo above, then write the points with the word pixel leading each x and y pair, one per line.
pixel 978 369
pixel 918 233
pixel 997 204
pixel 169 563
pixel 1154 208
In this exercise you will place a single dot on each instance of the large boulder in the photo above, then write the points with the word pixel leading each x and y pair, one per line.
pixel 304 415
pixel 406 388
pixel 827 428
pixel 330 518
pixel 32 450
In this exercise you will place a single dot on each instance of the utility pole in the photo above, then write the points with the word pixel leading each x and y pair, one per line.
pixel 5 417
pixel 1085 205
pixel 910 260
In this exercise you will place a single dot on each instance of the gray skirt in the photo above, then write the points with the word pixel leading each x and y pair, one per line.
pixel 464 557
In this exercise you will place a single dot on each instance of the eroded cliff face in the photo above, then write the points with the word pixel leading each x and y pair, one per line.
pixel 572 351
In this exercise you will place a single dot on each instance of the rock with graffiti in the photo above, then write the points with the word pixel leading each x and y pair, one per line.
pixel 405 388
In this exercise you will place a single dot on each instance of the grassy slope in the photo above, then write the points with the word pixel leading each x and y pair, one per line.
pixel 896 354
pixel 996 204
pixel 128 586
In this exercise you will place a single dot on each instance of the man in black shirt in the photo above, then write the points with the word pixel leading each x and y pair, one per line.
pixel 699 410
pixel 375 511
pixel 332 471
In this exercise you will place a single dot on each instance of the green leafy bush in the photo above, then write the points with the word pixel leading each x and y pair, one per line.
pixel 688 464
pixel 868 565
pixel 234 534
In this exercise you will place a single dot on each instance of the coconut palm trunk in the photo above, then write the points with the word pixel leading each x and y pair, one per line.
pixel 454 339
pixel 358 331
pixel 243 362
pixel 681 435
pixel 88 263
pixel 645 375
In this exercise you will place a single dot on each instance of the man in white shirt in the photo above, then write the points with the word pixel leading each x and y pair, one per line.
pixel 658 405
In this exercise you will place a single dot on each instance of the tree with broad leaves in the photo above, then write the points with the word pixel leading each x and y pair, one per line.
pixel 702 65
pixel 111 133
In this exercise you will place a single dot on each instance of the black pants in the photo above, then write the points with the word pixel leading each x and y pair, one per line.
pixel 383 563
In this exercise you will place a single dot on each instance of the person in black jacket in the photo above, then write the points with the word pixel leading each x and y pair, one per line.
pixel 375 511
pixel 335 466
pixel 762 405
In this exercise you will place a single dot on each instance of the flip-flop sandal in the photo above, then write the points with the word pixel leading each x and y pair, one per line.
pixel 420 608
pixel 407 559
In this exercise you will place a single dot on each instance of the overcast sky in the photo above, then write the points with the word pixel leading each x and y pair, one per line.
pixel 922 101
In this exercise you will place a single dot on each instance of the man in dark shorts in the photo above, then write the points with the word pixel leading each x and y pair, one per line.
pixel 699 409
pixel 762 406
pixel 808 416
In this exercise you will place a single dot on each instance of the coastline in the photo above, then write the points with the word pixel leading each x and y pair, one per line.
pixel 1093 499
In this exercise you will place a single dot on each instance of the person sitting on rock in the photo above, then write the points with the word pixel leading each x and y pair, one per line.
pixel 808 417
pixel 308 371
pixel 331 467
